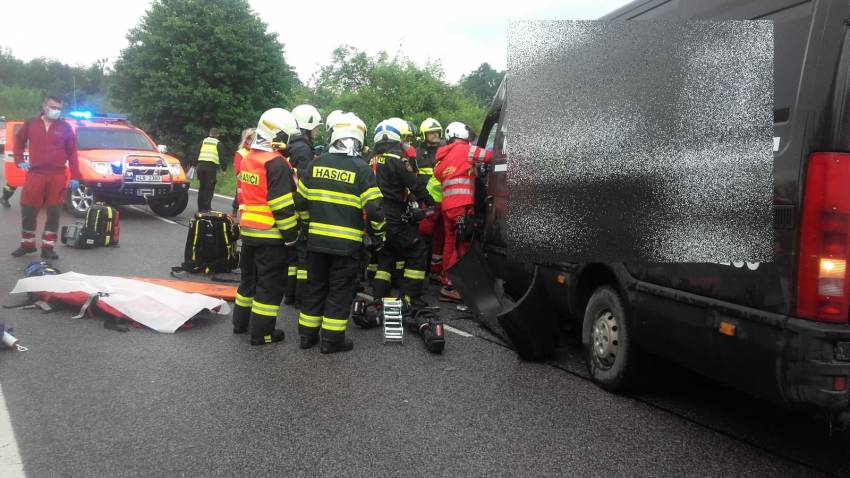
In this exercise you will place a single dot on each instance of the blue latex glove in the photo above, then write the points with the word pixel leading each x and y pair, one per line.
pixel 74 184
pixel 25 166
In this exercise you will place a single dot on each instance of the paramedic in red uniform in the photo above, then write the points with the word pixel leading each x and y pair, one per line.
pixel 453 185
pixel 52 144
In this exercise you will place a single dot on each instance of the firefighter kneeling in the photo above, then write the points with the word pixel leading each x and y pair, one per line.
pixel 269 228
pixel 333 192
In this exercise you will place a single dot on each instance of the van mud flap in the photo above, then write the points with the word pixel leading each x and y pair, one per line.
pixel 527 323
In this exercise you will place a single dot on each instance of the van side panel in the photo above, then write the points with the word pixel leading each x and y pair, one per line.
pixel 808 38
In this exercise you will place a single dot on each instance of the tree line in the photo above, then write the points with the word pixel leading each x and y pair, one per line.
pixel 194 64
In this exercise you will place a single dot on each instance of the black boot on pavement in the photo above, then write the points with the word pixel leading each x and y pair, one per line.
pixel 276 336
pixel 339 345
pixel 309 341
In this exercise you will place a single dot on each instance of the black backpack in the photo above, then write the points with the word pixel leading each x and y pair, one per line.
pixel 104 223
pixel 211 244
pixel 100 228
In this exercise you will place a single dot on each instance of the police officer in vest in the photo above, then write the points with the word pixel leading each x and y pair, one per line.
pixel 300 150
pixel 397 179
pixel 208 164
pixel 333 192
pixel 268 227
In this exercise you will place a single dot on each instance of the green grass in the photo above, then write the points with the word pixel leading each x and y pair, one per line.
pixel 225 183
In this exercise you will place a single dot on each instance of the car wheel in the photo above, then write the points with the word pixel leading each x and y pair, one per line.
pixel 613 360
pixel 170 207
pixel 79 200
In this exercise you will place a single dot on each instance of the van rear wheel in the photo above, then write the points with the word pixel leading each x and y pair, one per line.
pixel 613 360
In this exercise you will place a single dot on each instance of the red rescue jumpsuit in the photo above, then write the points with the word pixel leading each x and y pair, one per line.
pixel 455 172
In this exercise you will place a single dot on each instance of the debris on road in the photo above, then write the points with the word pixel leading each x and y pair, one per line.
pixel 10 340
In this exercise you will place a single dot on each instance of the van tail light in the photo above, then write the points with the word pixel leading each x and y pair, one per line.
pixel 822 281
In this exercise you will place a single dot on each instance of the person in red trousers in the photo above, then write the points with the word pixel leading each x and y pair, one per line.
pixel 453 185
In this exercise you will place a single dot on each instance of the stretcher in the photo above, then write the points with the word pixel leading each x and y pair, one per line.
pixel 211 289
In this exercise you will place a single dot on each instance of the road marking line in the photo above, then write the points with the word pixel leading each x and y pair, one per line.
pixel 222 196
pixel 169 221
pixel 10 458
pixel 457 331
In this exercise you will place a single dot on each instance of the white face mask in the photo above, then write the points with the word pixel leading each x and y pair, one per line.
pixel 53 113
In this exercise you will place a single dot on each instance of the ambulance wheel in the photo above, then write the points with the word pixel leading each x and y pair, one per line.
pixel 169 207
pixel 613 359
pixel 79 200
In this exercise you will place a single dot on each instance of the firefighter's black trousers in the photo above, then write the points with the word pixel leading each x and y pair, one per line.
pixel 297 272
pixel 403 245
pixel 261 288
pixel 329 292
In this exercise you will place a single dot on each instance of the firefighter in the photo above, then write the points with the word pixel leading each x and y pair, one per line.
pixel 431 228
pixel 301 147
pixel 301 152
pixel 209 161
pixel 333 193
pixel 396 176
pixel 268 227
pixel 248 135
pixel 332 119
pixel 408 133
pixel 453 185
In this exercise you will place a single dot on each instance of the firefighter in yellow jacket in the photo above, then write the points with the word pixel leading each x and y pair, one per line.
pixel 269 228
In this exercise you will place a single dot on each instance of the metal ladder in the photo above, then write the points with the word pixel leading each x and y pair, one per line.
pixel 393 327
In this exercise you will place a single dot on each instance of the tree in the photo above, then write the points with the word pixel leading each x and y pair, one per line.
pixel 18 102
pixel 377 87
pixel 482 83
pixel 45 76
pixel 196 64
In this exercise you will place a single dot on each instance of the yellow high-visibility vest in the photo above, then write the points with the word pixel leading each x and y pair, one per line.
pixel 209 151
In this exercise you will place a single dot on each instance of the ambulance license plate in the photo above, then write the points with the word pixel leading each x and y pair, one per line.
pixel 148 178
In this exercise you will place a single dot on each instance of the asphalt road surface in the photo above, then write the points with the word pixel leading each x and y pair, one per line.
pixel 87 401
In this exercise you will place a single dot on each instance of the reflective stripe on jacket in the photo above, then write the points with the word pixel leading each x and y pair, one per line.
pixel 453 183
pixel 257 219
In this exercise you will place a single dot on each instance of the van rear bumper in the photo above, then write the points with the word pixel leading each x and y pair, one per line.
pixel 785 359
pixel 814 355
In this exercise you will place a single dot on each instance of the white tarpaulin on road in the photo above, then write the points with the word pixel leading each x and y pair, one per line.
pixel 160 308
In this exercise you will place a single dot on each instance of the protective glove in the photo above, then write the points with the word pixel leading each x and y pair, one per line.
pixel 25 166
pixel 417 214
pixel 74 184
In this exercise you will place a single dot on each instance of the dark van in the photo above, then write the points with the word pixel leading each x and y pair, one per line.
pixel 776 330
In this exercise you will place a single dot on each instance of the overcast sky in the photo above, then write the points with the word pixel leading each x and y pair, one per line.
pixel 461 34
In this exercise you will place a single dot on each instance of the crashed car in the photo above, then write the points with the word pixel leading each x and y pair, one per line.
pixel 119 164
